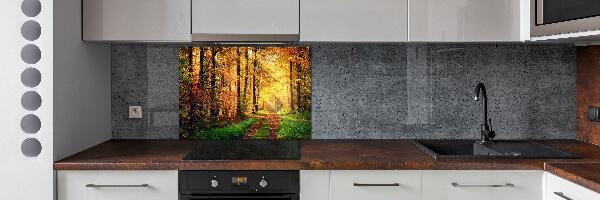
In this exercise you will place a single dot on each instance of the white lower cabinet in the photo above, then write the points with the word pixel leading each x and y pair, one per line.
pixel 314 184
pixel 341 185
pixel 375 185
pixel 560 189
pixel 482 185
pixel 117 185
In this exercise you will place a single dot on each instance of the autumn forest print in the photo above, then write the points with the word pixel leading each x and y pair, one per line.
pixel 244 92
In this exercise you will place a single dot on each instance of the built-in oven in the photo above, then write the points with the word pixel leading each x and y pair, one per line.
pixel 239 185
pixel 552 17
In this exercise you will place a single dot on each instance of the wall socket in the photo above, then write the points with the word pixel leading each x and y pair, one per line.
pixel 135 112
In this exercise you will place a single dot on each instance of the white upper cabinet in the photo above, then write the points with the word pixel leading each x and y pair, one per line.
pixel 245 20
pixel 468 20
pixel 307 20
pixel 136 20
pixel 354 20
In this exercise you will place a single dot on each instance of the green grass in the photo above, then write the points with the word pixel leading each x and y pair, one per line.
pixel 229 132
pixel 263 132
pixel 294 126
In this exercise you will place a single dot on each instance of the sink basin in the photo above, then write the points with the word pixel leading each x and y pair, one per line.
pixel 469 149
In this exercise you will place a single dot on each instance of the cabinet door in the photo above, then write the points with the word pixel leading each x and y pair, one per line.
pixel 375 185
pixel 482 185
pixel 468 21
pixel 560 189
pixel 136 20
pixel 227 19
pixel 117 185
pixel 314 185
pixel 354 20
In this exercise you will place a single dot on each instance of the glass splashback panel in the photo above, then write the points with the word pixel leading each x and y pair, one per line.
pixel 231 93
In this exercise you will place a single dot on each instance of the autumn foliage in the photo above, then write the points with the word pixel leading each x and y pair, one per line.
pixel 244 92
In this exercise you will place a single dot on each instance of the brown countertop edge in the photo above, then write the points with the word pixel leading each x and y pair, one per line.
pixel 314 155
pixel 584 174
pixel 331 155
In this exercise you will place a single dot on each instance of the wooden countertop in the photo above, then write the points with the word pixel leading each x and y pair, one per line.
pixel 314 155
pixel 331 155
pixel 584 174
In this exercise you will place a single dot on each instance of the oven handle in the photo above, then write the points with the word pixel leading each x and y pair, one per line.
pixel 191 197
pixel 285 196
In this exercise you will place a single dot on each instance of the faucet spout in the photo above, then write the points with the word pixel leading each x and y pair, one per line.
pixel 480 94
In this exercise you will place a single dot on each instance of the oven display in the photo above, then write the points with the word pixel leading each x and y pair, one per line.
pixel 239 180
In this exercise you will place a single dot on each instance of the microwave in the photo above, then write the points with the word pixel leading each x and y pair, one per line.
pixel 553 17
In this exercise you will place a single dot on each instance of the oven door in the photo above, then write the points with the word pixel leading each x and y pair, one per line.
pixel 551 17
pixel 241 197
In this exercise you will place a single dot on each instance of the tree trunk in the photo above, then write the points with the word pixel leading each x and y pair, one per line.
pixel 291 86
pixel 298 86
pixel 239 96
pixel 202 69
pixel 214 108
pixel 254 103
pixel 246 78
pixel 203 81
pixel 193 102
pixel 202 85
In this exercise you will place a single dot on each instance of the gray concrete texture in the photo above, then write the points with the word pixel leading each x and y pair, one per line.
pixel 383 91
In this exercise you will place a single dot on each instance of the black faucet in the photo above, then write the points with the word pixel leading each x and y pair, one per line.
pixel 487 134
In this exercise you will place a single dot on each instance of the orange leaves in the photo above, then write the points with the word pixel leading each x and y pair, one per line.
pixel 221 85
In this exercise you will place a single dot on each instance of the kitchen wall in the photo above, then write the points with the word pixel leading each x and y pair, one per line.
pixel 82 109
pixel 381 91
pixel 588 83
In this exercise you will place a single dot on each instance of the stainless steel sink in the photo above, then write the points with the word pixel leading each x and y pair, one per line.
pixel 469 149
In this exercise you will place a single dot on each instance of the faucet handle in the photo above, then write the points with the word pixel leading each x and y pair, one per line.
pixel 492 133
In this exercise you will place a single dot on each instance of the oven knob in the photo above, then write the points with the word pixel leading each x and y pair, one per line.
pixel 263 183
pixel 214 183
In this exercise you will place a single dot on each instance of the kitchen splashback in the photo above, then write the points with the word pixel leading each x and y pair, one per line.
pixel 382 91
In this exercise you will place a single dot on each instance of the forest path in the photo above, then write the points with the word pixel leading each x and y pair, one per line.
pixel 272 120
pixel 275 119
pixel 251 132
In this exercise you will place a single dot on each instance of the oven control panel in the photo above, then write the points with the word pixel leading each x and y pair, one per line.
pixel 239 181
pixel 233 182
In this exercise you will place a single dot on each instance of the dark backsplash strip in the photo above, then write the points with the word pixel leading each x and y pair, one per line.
pixel 376 91
pixel 588 83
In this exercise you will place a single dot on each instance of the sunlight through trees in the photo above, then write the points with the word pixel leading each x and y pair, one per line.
pixel 237 92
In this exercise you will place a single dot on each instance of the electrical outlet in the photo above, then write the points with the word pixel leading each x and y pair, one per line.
pixel 135 112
